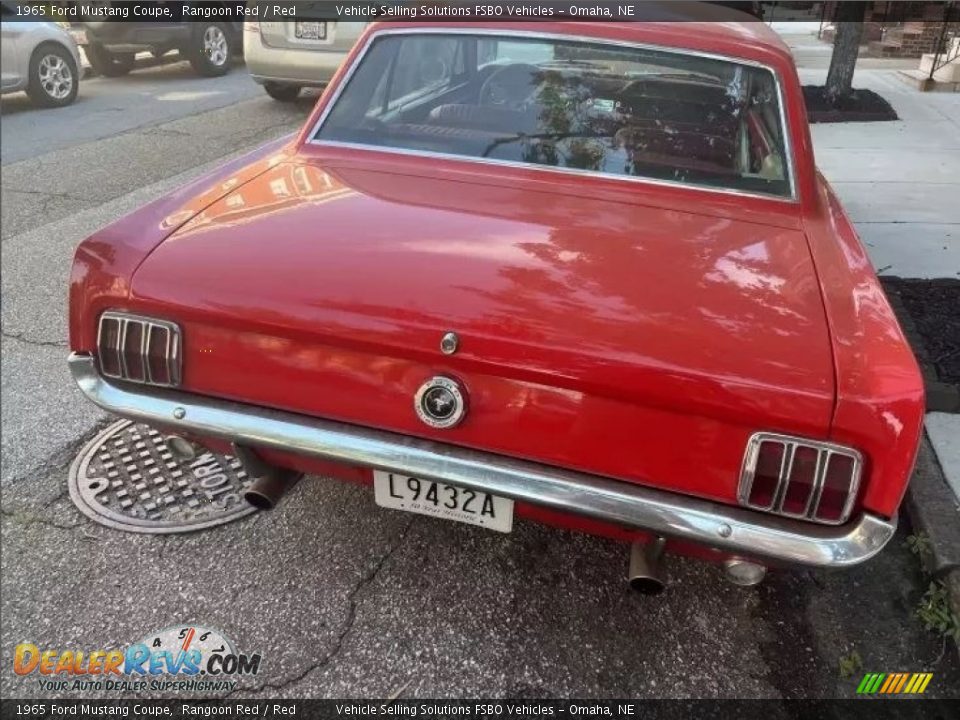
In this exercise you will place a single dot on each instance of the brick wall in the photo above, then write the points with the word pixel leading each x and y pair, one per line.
pixel 901 29
pixel 925 41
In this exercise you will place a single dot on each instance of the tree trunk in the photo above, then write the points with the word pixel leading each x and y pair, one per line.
pixel 846 47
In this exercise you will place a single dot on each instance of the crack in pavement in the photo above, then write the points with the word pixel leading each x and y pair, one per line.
pixel 47 197
pixel 348 624
pixel 258 132
pixel 28 341
pixel 28 518
pixel 61 456
pixel 45 193
pixel 168 132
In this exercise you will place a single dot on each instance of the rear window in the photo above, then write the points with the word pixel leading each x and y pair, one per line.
pixel 623 111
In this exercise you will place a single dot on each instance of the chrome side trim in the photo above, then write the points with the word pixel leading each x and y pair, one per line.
pixel 528 34
pixel 732 529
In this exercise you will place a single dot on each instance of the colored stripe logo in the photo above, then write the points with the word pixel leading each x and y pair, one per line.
pixel 894 683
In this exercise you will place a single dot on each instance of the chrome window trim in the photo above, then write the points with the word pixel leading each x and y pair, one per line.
pixel 826 451
pixel 172 349
pixel 530 34
pixel 730 528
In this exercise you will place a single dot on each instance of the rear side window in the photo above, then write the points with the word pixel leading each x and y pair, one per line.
pixel 572 104
pixel 424 68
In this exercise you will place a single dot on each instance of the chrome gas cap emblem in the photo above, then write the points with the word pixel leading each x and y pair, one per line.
pixel 440 402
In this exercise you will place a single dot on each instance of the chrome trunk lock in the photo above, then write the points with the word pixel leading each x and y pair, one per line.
pixel 449 343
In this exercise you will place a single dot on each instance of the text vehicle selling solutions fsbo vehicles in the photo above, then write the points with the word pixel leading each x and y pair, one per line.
pixel 581 273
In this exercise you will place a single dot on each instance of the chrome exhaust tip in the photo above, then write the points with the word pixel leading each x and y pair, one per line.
pixel 646 567
pixel 744 572
pixel 182 449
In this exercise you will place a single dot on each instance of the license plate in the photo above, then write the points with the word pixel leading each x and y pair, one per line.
pixel 310 30
pixel 79 36
pixel 437 499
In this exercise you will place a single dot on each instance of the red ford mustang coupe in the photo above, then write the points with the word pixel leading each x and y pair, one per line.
pixel 582 273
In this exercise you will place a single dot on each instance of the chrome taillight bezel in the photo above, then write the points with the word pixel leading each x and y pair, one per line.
pixel 825 452
pixel 147 327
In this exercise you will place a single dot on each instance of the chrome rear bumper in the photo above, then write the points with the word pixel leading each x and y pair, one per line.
pixel 731 529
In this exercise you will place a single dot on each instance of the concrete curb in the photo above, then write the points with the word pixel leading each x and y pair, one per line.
pixel 933 510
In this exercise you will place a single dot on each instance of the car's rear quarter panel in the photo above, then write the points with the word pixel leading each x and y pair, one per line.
pixel 104 263
pixel 880 393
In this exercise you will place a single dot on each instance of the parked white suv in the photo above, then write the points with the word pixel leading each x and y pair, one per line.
pixel 285 57
pixel 38 57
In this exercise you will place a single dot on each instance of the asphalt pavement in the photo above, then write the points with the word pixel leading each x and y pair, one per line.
pixel 341 597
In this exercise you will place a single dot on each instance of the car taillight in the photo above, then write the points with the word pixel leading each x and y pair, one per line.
pixel 139 349
pixel 800 478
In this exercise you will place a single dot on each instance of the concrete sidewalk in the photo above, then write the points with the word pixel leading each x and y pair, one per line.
pixel 899 181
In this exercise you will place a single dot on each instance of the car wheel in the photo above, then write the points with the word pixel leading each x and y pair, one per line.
pixel 212 49
pixel 282 91
pixel 54 79
pixel 109 64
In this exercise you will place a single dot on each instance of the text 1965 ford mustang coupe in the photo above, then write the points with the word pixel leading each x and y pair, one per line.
pixel 586 274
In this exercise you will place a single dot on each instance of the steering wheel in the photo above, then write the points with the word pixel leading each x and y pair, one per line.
pixel 509 86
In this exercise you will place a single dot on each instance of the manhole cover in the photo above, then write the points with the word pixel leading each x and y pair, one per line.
pixel 126 478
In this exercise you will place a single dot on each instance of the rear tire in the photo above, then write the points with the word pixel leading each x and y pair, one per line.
pixel 109 64
pixel 54 79
pixel 211 50
pixel 282 91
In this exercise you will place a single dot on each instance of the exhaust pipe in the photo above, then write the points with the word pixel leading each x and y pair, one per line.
pixel 267 490
pixel 271 482
pixel 646 567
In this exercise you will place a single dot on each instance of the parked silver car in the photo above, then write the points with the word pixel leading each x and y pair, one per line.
pixel 38 57
pixel 285 57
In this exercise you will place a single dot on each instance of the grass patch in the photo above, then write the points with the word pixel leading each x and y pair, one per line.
pixel 936 614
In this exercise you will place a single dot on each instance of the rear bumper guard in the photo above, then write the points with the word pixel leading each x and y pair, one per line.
pixel 731 529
